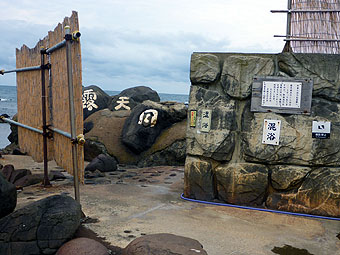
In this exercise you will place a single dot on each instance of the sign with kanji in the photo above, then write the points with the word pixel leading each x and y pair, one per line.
pixel 123 103
pixel 321 129
pixel 89 99
pixel 205 120
pixel 148 118
pixel 281 94
pixel 271 132
pixel 193 117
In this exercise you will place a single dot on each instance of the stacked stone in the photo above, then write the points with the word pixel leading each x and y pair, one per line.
pixel 230 163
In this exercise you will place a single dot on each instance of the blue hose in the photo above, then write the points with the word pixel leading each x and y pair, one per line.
pixel 259 209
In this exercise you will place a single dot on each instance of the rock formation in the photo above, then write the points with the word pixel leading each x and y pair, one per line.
pixel 118 134
pixel 164 244
pixel 8 197
pixel 94 99
pixel 229 162
pixel 41 227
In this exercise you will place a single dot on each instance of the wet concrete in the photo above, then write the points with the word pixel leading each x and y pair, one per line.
pixel 135 202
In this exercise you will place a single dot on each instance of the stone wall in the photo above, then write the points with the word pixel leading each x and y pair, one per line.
pixel 229 163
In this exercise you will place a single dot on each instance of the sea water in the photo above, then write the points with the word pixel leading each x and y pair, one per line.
pixel 8 105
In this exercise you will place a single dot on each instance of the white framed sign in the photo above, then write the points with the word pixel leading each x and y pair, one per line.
pixel 321 129
pixel 281 94
pixel 271 132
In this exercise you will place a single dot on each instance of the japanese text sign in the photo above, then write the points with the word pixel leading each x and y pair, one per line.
pixel 271 132
pixel 205 120
pixel 321 129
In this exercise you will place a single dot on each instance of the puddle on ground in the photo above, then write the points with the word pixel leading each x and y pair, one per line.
pixel 290 250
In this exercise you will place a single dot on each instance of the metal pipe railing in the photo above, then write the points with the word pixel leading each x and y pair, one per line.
pixel 46 181
pixel 18 70
pixel 21 125
pixel 60 132
pixel 56 47
pixel 69 38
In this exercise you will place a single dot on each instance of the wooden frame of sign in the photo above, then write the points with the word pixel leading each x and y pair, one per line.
pixel 282 95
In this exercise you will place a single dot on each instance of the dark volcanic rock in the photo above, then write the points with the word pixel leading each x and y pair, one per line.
pixel 29 180
pixel 7 171
pixel 82 246
pixel 92 149
pixel 147 121
pixel 103 163
pixel 164 244
pixel 174 155
pixel 134 96
pixel 88 125
pixel 94 99
pixel 17 174
pixel 13 136
pixel 41 227
pixel 8 198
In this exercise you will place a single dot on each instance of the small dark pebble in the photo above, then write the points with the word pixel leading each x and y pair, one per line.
pixel 131 236
pixel 172 174
pixel 143 186
pixel 142 180
pixel 113 173
pixel 28 193
pixel 168 182
pixel 152 181
pixel 135 178
pixel 89 182
pixel 127 231
pixel 30 198
pixel 121 170
pixel 128 176
pixel 142 234
pixel 155 174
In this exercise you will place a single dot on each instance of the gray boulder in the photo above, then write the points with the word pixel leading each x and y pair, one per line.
pixel 164 244
pixel 131 97
pixel 103 163
pixel 83 246
pixel 8 197
pixel 41 227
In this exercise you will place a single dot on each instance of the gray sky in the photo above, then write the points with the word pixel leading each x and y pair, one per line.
pixel 127 43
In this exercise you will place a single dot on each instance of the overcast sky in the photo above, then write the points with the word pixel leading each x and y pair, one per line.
pixel 127 43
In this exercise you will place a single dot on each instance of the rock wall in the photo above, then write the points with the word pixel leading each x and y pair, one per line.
pixel 230 163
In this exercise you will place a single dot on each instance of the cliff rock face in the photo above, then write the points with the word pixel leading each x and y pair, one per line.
pixel 229 162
